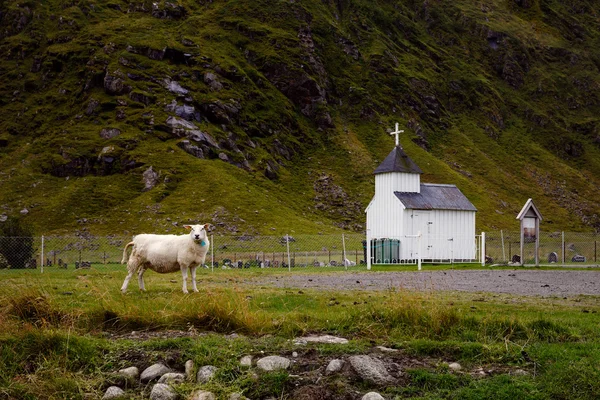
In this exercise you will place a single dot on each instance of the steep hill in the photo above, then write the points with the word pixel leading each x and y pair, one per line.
pixel 270 116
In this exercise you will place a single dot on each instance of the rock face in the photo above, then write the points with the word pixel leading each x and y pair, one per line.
pixel 150 178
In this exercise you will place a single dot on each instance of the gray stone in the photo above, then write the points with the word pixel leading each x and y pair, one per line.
pixel 212 81
pixel 130 374
pixel 206 373
pixel 109 133
pixel 334 366
pixel 150 178
pixel 175 87
pixel 172 377
pixel 455 366
pixel 519 372
pixel 202 395
pixel 371 369
pixel 160 391
pixel 272 363
pixel 372 396
pixel 384 349
pixel 327 339
pixel 237 396
pixel 113 392
pixel 189 369
pixel 246 361
pixel 154 372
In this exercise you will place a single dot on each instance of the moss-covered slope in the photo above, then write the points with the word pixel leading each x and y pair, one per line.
pixel 270 116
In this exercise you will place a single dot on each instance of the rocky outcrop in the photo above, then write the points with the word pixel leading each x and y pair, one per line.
pixel 333 200
pixel 168 10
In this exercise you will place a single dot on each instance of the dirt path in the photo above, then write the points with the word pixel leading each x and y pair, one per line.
pixel 521 282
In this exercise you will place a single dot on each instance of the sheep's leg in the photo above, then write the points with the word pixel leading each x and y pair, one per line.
pixel 184 277
pixel 141 279
pixel 193 269
pixel 131 267
pixel 126 281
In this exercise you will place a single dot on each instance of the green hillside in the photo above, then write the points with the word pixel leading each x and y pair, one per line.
pixel 270 116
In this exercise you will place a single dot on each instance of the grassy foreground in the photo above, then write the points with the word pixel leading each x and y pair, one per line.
pixel 62 333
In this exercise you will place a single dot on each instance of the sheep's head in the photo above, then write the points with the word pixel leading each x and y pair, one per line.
pixel 198 233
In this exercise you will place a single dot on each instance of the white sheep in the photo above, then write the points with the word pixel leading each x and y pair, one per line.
pixel 167 253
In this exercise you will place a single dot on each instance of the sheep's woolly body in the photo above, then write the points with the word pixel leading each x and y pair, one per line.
pixel 167 253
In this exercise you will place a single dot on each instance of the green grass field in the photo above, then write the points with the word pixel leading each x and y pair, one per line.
pixel 63 332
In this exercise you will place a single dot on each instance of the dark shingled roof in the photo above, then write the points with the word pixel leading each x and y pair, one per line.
pixel 436 197
pixel 398 161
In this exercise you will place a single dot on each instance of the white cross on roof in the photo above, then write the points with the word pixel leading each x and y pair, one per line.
pixel 397 133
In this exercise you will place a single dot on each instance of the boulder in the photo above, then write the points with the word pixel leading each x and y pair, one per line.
pixel 334 366
pixel 172 377
pixel 206 373
pixel 371 369
pixel 113 392
pixel 372 396
pixel 154 372
pixel 273 363
pixel 326 339
pixel 160 391
pixel 203 395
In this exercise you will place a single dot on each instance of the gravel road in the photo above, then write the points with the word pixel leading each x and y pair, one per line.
pixel 521 282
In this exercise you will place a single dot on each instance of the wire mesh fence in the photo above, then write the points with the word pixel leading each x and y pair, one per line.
pixel 555 248
pixel 74 252
pixel 296 251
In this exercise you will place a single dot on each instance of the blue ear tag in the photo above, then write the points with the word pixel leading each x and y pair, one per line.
pixel 202 243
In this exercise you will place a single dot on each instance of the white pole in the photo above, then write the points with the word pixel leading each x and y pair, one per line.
pixel 368 260
pixel 483 249
pixel 503 251
pixel 344 250
pixel 419 236
pixel 212 253
pixel 287 241
pixel 42 263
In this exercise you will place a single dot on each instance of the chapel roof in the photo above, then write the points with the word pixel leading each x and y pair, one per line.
pixel 398 161
pixel 436 197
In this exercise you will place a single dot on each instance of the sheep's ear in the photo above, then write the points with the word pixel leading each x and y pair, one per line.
pixel 187 226
pixel 207 227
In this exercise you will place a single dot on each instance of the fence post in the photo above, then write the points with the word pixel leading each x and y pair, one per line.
pixel 368 260
pixel 42 255
pixel 563 247
pixel 419 236
pixel 287 241
pixel 483 249
pixel 503 250
pixel 344 250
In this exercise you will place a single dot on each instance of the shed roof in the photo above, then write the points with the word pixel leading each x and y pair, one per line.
pixel 529 210
pixel 398 161
pixel 436 197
